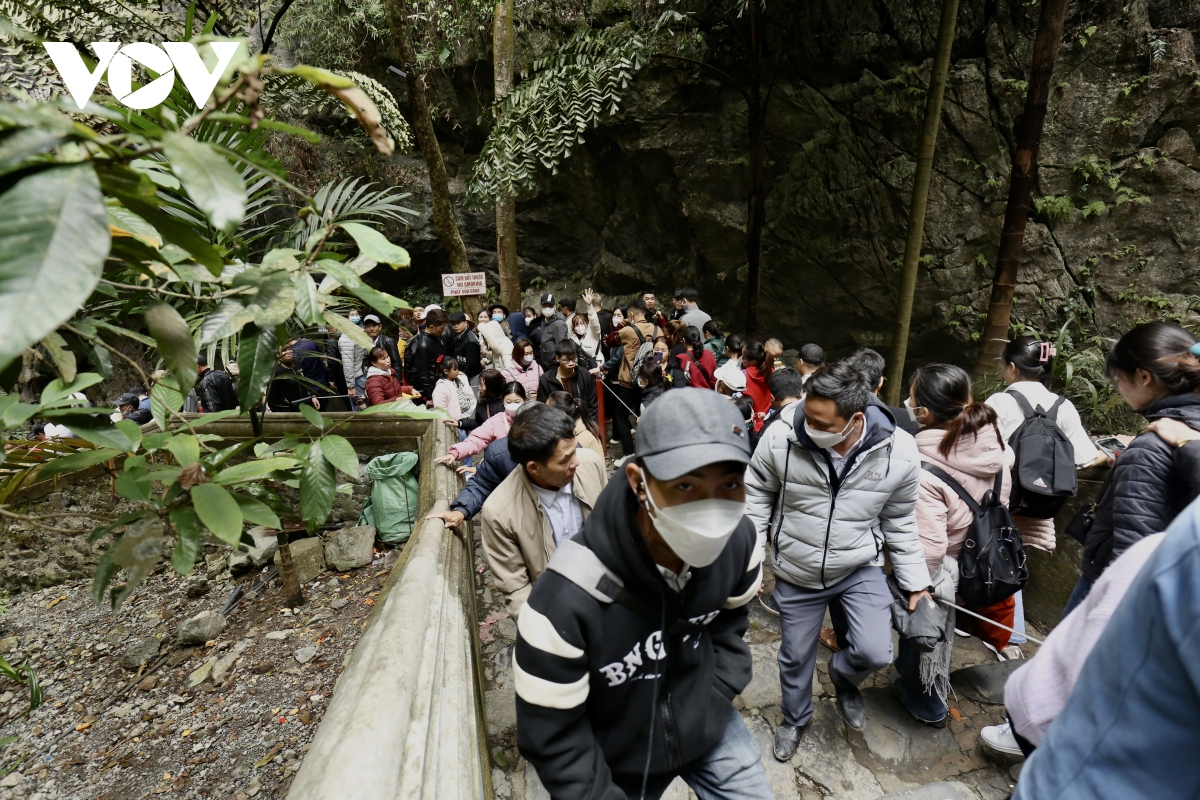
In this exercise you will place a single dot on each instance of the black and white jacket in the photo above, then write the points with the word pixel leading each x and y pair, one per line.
pixel 595 666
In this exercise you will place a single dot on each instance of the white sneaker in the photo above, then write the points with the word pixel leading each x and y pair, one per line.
pixel 1012 653
pixel 999 739
pixel 620 462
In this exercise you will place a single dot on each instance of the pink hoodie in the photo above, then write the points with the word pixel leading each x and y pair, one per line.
pixel 942 516
pixel 496 427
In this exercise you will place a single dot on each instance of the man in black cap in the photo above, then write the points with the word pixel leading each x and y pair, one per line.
pixel 553 330
pixel 462 343
pixel 420 366
pixel 374 328
pixel 127 408
pixel 629 649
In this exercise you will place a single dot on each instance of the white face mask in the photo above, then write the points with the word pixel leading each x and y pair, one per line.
pixel 642 384
pixel 696 531
pixel 511 408
pixel 827 439
pixel 547 312
pixel 580 330
pixel 912 412
pixel 527 359
pixel 618 320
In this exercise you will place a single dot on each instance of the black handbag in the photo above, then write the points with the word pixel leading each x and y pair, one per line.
pixel 1081 524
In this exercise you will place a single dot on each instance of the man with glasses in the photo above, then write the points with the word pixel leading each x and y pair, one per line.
pixel 565 376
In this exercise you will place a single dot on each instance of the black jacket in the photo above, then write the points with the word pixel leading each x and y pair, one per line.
pixel 465 348
pixel 699 661
pixel 583 386
pixel 554 330
pixel 389 344
pixel 484 410
pixel 333 360
pixel 286 390
pixel 216 391
pixel 495 467
pixel 1144 491
pixel 420 364
pixel 139 415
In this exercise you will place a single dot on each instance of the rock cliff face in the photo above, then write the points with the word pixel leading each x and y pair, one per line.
pixel 657 196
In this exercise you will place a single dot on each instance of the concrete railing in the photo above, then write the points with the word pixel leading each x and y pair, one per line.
pixel 406 719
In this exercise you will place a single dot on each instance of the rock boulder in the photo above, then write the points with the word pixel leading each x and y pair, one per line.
pixel 308 556
pixel 204 627
pixel 350 548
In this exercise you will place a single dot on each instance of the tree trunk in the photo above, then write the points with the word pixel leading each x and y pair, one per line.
pixel 920 197
pixel 755 205
pixel 444 223
pixel 287 573
pixel 1020 187
pixel 506 205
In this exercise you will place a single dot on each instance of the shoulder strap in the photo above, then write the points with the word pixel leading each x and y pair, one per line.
pixel 584 568
pixel 953 484
pixel 1026 408
pixel 1052 414
pixel 641 336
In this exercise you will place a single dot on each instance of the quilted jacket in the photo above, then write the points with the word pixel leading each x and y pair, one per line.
pixel 820 527
pixel 1144 491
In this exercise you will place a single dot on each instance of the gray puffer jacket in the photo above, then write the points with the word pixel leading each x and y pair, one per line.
pixel 831 527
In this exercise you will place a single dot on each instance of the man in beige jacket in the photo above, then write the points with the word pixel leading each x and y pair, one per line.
pixel 542 502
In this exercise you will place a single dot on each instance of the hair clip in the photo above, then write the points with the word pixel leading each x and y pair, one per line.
pixel 1048 351
pixel 1196 349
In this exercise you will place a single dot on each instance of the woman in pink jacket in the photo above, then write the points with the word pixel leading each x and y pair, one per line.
pixel 496 427
pixel 960 437
pixel 523 368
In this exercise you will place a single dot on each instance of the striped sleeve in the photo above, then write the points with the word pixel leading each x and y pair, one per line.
pixel 552 681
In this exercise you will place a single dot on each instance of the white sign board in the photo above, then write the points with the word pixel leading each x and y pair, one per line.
pixel 461 284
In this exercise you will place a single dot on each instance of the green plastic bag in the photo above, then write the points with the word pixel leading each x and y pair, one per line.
pixel 392 507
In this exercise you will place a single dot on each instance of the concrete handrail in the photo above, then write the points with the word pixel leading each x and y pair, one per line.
pixel 406 719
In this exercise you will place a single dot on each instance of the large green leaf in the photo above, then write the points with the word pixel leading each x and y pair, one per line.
pixel 103 433
pixel 258 513
pixel 381 301
pixel 80 460
pixel 253 470
pixel 373 244
pixel 340 453
pixel 218 511
pixel 165 399
pixel 349 329
pixel 178 232
pixel 64 360
pixel 191 539
pixel 211 181
pixel 256 363
pixel 175 343
pixel 318 483
pixel 56 390
pixel 185 447
pixel 313 416
pixel 53 242
pixel 225 320
pixel 309 303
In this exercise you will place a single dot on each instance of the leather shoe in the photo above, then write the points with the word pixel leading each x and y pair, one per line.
pixel 787 739
pixel 849 700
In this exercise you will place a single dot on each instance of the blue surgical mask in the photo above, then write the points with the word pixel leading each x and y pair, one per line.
pixel 497 318
pixel 357 320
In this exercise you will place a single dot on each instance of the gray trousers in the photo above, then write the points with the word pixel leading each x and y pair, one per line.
pixel 860 607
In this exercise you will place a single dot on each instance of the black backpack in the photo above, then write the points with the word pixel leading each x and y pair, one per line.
pixel 991 564
pixel 1044 472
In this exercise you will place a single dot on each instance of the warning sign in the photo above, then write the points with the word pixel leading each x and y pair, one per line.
pixel 460 284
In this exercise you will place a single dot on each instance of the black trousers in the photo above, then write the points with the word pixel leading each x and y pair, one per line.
pixel 622 427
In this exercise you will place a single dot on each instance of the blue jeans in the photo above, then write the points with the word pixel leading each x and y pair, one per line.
pixel 1079 594
pixel 732 770
pixel 923 704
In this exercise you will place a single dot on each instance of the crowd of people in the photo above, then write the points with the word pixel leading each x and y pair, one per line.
pixel 631 591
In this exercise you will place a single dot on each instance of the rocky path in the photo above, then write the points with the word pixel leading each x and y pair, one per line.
pixel 230 711
pixel 895 756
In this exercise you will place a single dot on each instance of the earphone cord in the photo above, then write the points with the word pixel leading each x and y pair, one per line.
pixel 654 702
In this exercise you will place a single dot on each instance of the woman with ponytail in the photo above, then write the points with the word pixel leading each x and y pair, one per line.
pixel 758 368
pixel 1156 370
pixel 962 438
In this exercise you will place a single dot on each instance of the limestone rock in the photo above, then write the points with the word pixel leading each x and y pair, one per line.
pixel 197 587
pixel 265 546
pixel 763 689
pixel 201 673
pixel 308 556
pixel 305 654
pixel 226 662
pixel 899 741
pixel 140 651
pixel 338 603
pixel 8 644
pixel 781 775
pixel 500 706
pixel 350 548
pixel 204 627
pixel 826 758
pixel 984 683
pixel 942 790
